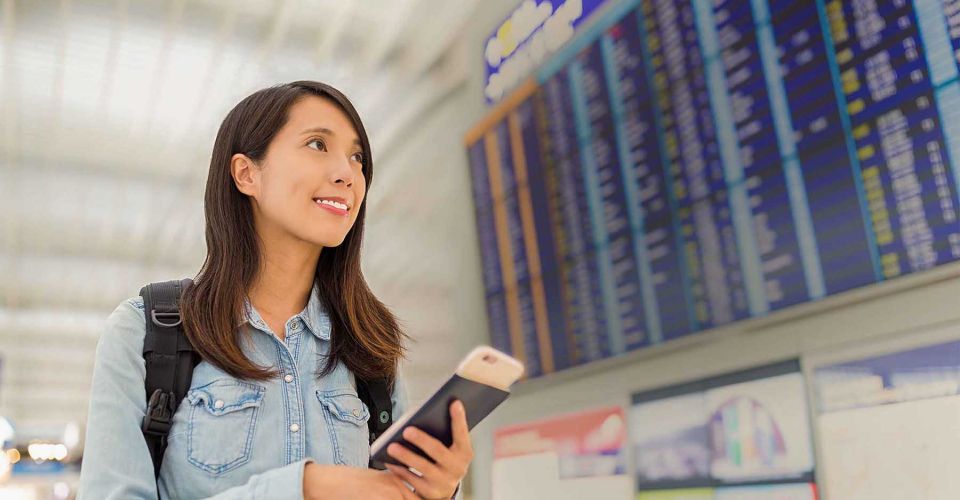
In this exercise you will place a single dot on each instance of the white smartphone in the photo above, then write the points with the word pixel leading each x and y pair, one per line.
pixel 489 366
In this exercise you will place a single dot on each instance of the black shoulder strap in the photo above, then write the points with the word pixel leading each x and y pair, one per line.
pixel 376 395
pixel 169 360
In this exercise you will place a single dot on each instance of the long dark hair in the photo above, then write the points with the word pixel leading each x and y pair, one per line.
pixel 365 335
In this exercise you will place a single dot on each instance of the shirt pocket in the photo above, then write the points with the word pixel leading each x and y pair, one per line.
pixel 346 418
pixel 223 416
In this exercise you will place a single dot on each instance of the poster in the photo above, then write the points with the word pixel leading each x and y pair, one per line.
pixel 748 428
pixel 760 430
pixel 581 455
pixel 890 425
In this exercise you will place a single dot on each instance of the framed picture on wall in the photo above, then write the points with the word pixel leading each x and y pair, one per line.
pixel 743 435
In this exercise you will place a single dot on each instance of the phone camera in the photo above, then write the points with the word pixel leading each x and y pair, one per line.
pixel 489 359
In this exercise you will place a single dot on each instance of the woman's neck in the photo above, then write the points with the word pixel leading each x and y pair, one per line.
pixel 285 280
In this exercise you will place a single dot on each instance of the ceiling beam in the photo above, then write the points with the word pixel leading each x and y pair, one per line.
pixel 207 94
pixel 93 282
pixel 39 410
pixel 182 237
pixel 56 109
pixel 386 40
pixel 46 320
pixel 108 73
pixel 328 37
pixel 29 396
pixel 8 168
pixel 429 45
pixel 279 27
pixel 158 247
pixel 144 125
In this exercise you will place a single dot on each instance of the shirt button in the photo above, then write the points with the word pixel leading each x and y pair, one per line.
pixel 294 427
pixel 356 413
pixel 218 404
pixel 288 378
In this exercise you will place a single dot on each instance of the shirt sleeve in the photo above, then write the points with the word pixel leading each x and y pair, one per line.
pixel 281 483
pixel 116 462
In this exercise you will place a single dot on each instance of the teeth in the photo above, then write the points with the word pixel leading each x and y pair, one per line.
pixel 332 203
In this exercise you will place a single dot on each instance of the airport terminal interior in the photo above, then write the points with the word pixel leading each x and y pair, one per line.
pixel 721 236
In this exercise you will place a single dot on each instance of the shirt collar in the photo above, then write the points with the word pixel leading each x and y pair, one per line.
pixel 314 316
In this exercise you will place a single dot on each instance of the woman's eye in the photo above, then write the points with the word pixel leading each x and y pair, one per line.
pixel 320 145
pixel 358 157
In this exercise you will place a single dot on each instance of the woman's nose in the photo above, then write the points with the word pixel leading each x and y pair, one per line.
pixel 343 173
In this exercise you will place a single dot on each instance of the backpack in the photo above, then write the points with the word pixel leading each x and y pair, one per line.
pixel 170 360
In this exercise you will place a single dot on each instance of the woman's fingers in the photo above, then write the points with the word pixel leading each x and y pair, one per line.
pixel 461 432
pixel 429 444
pixel 423 486
pixel 402 488
pixel 419 484
pixel 407 457
pixel 445 467
pixel 386 485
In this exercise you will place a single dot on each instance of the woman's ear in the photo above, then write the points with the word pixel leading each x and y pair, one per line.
pixel 246 174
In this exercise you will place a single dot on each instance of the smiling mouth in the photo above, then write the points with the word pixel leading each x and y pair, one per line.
pixel 333 206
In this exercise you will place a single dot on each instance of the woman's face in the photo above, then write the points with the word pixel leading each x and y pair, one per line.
pixel 310 184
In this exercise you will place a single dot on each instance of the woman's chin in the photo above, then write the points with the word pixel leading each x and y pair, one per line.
pixel 326 241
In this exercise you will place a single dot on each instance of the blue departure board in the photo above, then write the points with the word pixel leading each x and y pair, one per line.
pixel 683 165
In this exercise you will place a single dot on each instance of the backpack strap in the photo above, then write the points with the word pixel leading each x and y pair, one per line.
pixel 376 395
pixel 169 360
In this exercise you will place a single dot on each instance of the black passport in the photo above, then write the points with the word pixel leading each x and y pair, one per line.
pixel 433 417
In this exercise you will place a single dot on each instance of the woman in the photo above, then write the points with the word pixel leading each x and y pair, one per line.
pixel 283 319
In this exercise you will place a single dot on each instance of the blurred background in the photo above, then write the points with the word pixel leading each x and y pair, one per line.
pixel 722 236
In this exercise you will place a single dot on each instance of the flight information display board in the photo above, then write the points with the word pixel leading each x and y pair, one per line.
pixel 683 165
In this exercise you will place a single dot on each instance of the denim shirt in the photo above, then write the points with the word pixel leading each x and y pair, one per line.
pixel 230 439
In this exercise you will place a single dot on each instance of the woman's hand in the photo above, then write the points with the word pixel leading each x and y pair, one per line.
pixel 338 481
pixel 439 478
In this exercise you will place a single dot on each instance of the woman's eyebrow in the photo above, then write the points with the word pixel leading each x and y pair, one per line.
pixel 325 131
